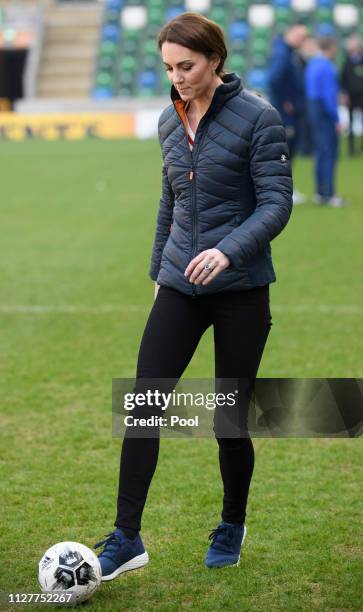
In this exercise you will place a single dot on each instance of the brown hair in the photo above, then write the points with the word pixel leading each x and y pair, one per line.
pixel 197 33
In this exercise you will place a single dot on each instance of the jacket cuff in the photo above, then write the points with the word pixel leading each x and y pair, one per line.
pixel 232 250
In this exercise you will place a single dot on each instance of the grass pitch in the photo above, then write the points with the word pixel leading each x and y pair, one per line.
pixel 77 229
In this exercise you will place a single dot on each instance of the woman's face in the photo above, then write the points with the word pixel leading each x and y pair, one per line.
pixel 191 73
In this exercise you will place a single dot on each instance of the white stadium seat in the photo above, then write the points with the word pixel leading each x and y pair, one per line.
pixel 134 17
pixel 261 15
pixel 303 5
pixel 346 15
pixel 198 6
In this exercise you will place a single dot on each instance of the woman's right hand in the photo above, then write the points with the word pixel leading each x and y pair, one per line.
pixel 157 287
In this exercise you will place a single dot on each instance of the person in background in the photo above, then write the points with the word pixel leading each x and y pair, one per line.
pixel 285 80
pixel 352 85
pixel 322 88
pixel 308 50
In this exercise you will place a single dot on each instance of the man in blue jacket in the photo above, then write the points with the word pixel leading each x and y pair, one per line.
pixel 322 88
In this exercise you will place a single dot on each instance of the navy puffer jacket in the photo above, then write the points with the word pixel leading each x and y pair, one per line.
pixel 233 192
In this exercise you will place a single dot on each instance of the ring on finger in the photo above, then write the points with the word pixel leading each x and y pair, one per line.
pixel 209 268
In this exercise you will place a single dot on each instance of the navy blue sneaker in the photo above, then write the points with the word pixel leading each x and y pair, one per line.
pixel 226 544
pixel 121 554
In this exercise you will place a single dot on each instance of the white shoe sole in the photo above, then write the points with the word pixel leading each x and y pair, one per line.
pixel 239 558
pixel 133 564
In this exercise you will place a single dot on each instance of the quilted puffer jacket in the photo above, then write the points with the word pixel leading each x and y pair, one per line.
pixel 233 192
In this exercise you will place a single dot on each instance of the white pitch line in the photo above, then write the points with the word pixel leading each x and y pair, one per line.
pixel 99 309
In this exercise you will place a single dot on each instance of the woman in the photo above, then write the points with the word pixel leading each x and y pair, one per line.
pixel 226 193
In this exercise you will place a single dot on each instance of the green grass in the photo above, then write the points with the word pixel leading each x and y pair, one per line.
pixel 77 229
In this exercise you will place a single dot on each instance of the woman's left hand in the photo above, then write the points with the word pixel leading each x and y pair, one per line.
pixel 206 266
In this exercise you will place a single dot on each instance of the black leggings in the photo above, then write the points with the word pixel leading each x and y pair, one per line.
pixel 241 322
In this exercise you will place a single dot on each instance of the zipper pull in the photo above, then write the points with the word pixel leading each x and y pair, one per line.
pixel 191 175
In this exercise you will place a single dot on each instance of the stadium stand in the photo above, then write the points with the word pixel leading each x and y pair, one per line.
pixel 128 63
pixel 69 50
pixel 62 45
pixel 106 49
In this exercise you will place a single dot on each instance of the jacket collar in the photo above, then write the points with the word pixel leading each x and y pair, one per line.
pixel 231 87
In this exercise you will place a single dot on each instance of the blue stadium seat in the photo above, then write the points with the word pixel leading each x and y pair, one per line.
pixel 111 32
pixel 172 12
pixel 114 5
pixel 147 79
pixel 101 93
pixel 281 3
pixel 256 79
pixel 325 3
pixel 325 29
pixel 239 29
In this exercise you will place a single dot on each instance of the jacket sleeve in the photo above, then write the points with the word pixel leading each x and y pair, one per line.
pixel 271 175
pixel 164 220
pixel 329 90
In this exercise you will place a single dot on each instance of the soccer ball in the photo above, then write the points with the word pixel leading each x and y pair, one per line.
pixel 70 569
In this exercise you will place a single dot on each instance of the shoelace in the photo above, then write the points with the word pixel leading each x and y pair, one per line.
pixel 215 532
pixel 111 538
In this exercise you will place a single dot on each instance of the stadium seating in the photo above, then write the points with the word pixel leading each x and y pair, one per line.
pixel 129 63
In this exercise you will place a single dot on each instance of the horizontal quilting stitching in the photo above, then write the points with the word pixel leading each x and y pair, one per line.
pixel 241 116
pixel 182 155
pixel 258 105
pixel 184 228
pixel 174 144
pixel 266 127
pixel 167 114
pixel 174 242
pixel 223 147
pixel 219 162
pixel 269 144
pixel 226 127
pixel 175 264
pixel 210 194
pixel 213 180
pixel 222 204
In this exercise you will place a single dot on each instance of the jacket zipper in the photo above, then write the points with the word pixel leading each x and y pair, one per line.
pixel 194 207
pixel 192 177
pixel 194 213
